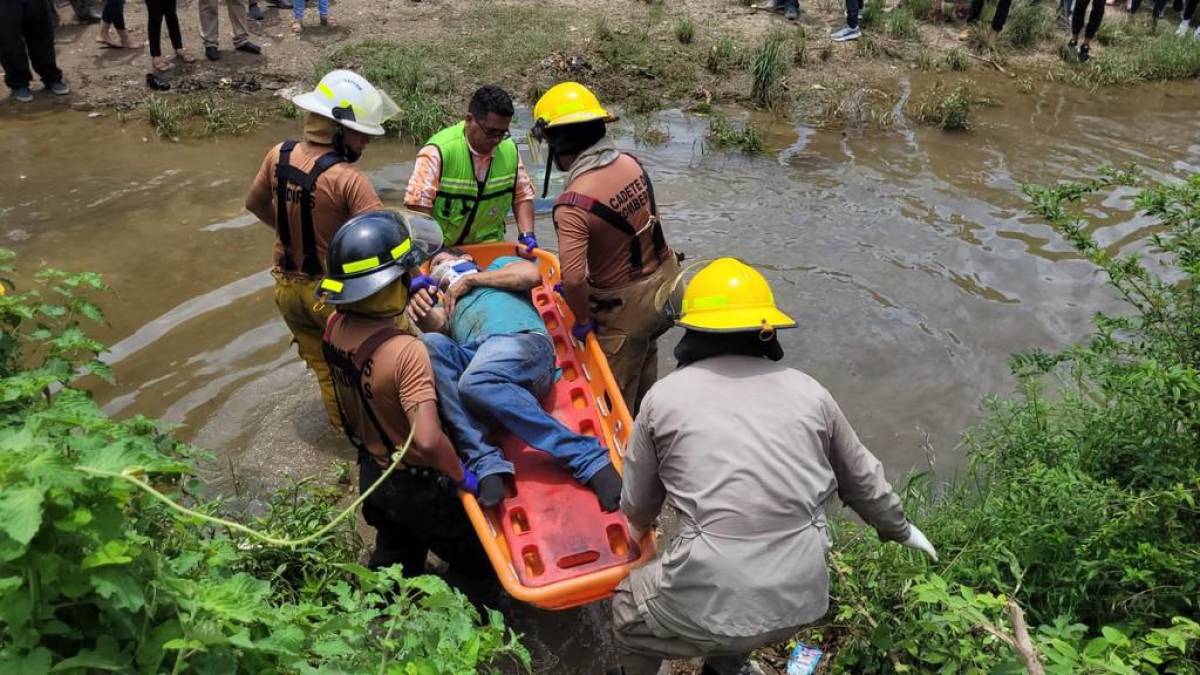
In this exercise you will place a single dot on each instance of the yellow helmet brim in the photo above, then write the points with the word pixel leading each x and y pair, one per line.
pixel 583 116
pixel 735 320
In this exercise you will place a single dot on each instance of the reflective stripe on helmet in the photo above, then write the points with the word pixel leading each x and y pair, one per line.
pixel 371 263
pixel 707 302
pixel 332 285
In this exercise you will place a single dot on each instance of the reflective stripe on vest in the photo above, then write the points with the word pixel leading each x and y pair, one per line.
pixel 472 211
pixel 348 370
pixel 285 175
pixel 610 216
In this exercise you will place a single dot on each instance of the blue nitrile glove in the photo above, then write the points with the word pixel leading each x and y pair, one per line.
pixel 558 288
pixel 528 240
pixel 422 281
pixel 469 482
pixel 580 330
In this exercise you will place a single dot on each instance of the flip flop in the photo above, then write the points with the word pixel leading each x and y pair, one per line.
pixel 328 21
pixel 109 44
pixel 186 57
pixel 162 65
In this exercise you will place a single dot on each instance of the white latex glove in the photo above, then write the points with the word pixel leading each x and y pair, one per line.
pixel 916 539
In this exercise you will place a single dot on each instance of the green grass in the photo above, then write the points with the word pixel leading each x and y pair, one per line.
pixel 685 30
pixel 872 14
pixel 901 24
pixel 951 110
pixel 724 135
pixel 770 65
pixel 163 116
pixel 410 76
pixel 957 60
pixel 1029 24
pixel 722 56
pixel 868 46
pixel 204 115
pixel 921 10
pixel 1166 57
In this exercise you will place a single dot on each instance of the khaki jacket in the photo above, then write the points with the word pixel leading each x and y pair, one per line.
pixel 748 452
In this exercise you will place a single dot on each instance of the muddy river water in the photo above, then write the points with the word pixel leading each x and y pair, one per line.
pixel 906 257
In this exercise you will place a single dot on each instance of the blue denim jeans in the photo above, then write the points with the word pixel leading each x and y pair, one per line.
pixel 502 381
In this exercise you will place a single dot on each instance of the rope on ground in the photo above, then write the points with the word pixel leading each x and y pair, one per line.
pixel 128 475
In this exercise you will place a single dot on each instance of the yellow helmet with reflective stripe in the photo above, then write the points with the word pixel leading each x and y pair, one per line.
pixel 350 100
pixel 568 103
pixel 729 296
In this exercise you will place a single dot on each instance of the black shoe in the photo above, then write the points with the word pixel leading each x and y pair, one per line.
pixel 212 53
pixel 606 483
pixel 157 83
pixel 256 12
pixel 1085 53
pixel 791 14
pixel 249 48
pixel 491 490
pixel 1073 43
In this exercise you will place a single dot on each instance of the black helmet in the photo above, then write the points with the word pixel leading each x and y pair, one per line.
pixel 374 249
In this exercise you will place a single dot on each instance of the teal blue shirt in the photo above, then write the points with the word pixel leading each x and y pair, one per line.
pixel 484 312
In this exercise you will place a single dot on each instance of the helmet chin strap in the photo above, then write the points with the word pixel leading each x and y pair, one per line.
pixel 340 146
pixel 550 157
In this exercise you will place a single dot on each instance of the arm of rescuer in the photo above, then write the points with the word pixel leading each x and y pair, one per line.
pixel 423 184
pixel 642 491
pixel 260 200
pixel 572 229
pixel 861 482
pixel 430 446
pixel 522 207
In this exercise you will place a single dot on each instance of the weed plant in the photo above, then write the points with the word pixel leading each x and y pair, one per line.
pixel 98 575
pixel 956 60
pixel 872 14
pixel 723 135
pixel 922 10
pixel 901 25
pixel 1080 505
pixel 722 56
pixel 1029 24
pixel 685 30
pixel 951 110
pixel 770 65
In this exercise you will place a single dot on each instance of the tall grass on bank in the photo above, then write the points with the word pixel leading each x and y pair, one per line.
pixel 951 110
pixel 1082 507
pixel 1166 57
pixel 1029 24
pixel 410 76
pixel 770 64
pixel 195 115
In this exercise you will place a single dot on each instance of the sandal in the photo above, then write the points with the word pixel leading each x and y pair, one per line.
pixel 297 27
pixel 161 64
pixel 328 21
pixel 184 55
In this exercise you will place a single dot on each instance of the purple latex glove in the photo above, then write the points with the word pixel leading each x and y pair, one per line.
pixel 580 330
pixel 469 482
pixel 528 240
pixel 422 281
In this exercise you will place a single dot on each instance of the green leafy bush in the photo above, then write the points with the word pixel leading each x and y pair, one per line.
pixel 1080 508
pixel 98 572
pixel 901 24
pixel 1029 24
pixel 770 65
pixel 723 135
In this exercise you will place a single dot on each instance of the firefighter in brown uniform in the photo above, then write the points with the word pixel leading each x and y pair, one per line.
pixel 613 252
pixel 306 190
pixel 384 387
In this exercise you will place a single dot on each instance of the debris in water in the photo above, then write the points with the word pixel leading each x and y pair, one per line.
pixel 94 115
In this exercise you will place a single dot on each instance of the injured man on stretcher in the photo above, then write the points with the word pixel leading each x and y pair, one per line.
pixel 493 361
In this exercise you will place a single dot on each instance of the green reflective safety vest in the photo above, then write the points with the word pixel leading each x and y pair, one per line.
pixel 472 211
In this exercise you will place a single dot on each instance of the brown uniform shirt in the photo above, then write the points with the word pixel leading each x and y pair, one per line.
pixel 590 249
pixel 398 376
pixel 341 193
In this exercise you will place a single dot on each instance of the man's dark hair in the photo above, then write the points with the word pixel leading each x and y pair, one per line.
pixel 490 99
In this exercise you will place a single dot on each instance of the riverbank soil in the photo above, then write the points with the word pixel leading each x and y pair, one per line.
pixel 645 55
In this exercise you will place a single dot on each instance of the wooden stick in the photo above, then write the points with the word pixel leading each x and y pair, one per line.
pixel 997 66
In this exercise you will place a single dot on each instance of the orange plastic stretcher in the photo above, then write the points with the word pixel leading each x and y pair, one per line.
pixel 550 543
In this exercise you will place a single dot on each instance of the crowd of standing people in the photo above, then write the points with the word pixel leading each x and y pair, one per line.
pixel 27 29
